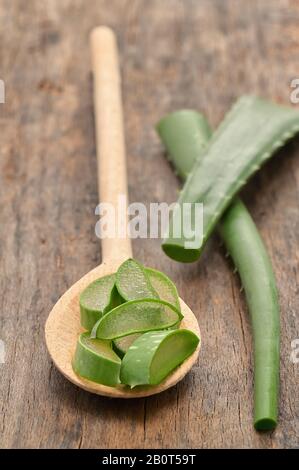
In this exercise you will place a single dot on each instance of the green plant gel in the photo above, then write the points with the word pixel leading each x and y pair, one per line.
pixel 155 354
pixel 95 360
pixel 136 316
pixel 164 287
pixel 121 345
pixel 98 298
pixel 166 290
pixel 248 136
pixel 133 283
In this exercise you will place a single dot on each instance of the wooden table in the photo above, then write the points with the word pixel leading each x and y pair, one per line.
pixel 195 53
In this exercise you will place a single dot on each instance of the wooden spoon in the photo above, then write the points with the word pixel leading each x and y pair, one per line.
pixel 63 324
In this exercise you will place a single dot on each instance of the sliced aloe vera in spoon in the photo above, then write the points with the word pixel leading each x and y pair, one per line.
pixel 166 290
pixel 133 283
pixel 98 298
pixel 121 345
pixel 136 316
pixel 154 355
pixel 164 287
pixel 95 360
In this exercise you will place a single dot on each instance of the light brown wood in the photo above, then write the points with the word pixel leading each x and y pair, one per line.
pixel 174 54
pixel 63 325
pixel 110 139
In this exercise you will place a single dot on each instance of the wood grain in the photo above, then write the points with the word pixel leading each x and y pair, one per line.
pixel 110 134
pixel 196 53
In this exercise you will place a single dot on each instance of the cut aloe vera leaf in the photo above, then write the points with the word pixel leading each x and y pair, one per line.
pixel 164 287
pixel 251 259
pixel 95 360
pixel 166 290
pixel 121 345
pixel 136 316
pixel 245 245
pixel 152 357
pixel 133 283
pixel 185 134
pixel 188 144
pixel 249 135
pixel 98 298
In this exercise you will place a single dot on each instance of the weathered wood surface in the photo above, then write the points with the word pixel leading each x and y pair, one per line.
pixel 196 53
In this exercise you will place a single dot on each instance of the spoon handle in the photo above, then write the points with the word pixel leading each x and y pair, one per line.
pixel 111 153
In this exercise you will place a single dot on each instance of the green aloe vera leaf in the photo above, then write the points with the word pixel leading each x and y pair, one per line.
pixel 164 287
pixel 99 297
pixel 166 290
pixel 248 136
pixel 136 316
pixel 251 259
pixel 95 360
pixel 244 243
pixel 155 354
pixel 121 345
pixel 133 283
pixel 188 144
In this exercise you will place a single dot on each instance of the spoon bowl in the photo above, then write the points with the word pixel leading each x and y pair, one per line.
pixel 63 328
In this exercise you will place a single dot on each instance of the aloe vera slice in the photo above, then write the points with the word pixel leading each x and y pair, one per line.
pixel 133 283
pixel 136 316
pixel 249 135
pixel 245 245
pixel 95 360
pixel 98 298
pixel 164 287
pixel 155 354
pixel 166 290
pixel 121 345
